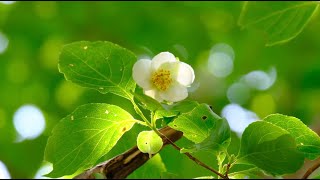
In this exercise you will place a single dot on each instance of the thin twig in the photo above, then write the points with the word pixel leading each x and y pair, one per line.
pixel 227 171
pixel 311 169
pixel 195 159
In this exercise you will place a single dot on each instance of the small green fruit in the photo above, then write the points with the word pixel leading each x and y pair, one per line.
pixel 149 142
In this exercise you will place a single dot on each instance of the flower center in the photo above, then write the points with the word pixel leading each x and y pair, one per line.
pixel 161 79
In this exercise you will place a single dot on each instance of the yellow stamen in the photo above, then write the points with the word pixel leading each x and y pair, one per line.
pixel 161 79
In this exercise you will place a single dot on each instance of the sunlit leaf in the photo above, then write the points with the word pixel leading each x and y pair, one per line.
pixel 197 124
pixel 103 66
pixel 270 148
pixel 218 140
pixel 180 108
pixel 84 136
pixel 307 140
pixel 281 20
pixel 183 106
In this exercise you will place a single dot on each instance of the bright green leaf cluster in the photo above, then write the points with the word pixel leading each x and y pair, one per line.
pixel 277 145
pixel 307 140
pixel 270 148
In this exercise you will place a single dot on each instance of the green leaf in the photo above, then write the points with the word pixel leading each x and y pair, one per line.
pixel 218 140
pixel 126 142
pixel 183 106
pixel 103 66
pixel 152 169
pixel 307 140
pixel 282 21
pixel 197 124
pixel 179 108
pixel 84 136
pixel 270 148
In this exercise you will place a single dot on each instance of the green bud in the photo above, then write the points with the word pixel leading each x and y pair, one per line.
pixel 149 142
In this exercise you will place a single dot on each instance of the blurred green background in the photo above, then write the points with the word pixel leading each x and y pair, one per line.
pixel 33 33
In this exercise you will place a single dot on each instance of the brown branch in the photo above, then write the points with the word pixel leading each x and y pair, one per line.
pixel 122 165
pixel 311 169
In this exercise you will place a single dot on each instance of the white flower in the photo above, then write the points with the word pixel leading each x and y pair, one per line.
pixel 164 77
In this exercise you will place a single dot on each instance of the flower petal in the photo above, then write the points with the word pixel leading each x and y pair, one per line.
pixel 176 92
pixel 185 74
pixel 161 58
pixel 154 94
pixel 141 73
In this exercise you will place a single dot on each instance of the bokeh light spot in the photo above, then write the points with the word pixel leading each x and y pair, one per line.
pixel 220 64
pixel 223 48
pixel 260 80
pixel 4 42
pixel 238 117
pixel 7 2
pixel 4 173
pixel 257 80
pixel 29 122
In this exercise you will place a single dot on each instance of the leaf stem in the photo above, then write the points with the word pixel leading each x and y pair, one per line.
pixel 153 120
pixel 138 111
pixel 311 170
pixel 140 122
